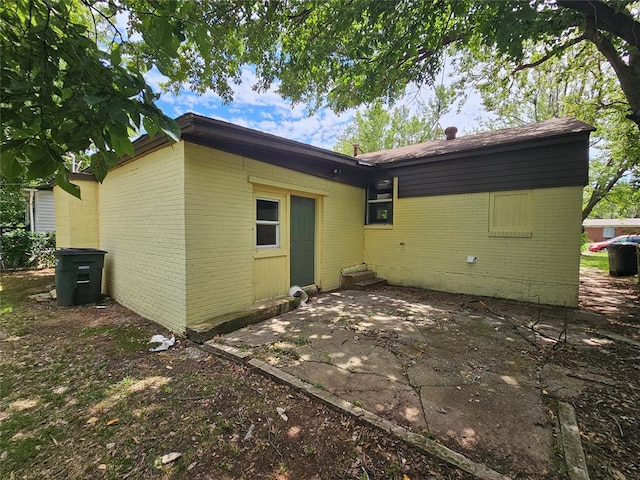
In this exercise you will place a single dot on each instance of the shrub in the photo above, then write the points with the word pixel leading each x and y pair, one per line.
pixel 23 249
pixel 584 242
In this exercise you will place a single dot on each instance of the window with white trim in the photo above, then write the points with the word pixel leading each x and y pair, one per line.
pixel 267 223
pixel 380 202
pixel 608 232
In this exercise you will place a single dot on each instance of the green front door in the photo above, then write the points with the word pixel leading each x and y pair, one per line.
pixel 303 239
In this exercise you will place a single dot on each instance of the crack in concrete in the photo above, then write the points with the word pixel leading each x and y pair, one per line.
pixel 400 356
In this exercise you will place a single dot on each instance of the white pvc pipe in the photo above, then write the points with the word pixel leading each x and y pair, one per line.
pixel 296 291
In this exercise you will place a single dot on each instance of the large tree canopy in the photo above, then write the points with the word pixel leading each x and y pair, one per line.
pixel 348 53
pixel 72 71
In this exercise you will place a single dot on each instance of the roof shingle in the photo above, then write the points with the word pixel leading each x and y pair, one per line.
pixel 533 131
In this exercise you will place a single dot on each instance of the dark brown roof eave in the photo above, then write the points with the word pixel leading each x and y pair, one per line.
pixel 71 176
pixel 195 128
pixel 204 126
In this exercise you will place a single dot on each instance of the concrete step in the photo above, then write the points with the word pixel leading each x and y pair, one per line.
pixel 350 279
pixel 370 283
pixel 230 322
pixel 364 279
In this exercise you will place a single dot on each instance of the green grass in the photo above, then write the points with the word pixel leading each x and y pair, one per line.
pixel 598 260
pixel 127 337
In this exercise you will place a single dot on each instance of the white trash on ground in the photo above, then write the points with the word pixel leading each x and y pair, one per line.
pixel 281 411
pixel 164 342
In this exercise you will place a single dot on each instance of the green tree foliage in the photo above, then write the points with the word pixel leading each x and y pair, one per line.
pixel 623 201
pixel 379 128
pixel 72 75
pixel 579 84
pixel 12 203
pixel 349 53
pixel 66 87
pixel 23 249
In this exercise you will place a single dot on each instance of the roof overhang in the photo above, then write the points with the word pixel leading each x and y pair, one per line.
pixel 260 146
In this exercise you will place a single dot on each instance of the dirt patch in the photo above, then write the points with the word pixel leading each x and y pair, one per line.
pixel 616 298
pixel 81 397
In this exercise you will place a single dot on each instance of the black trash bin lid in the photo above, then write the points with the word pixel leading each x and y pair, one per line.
pixel 79 251
pixel 623 246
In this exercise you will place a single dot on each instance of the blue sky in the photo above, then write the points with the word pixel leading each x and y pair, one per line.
pixel 268 112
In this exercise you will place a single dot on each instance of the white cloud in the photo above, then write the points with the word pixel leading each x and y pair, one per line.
pixel 264 111
pixel 239 121
pixel 154 78
pixel 121 24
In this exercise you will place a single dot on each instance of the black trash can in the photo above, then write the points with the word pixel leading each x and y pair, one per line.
pixel 622 259
pixel 79 275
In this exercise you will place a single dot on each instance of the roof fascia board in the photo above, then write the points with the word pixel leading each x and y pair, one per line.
pixel 201 130
pixel 265 140
pixel 89 177
pixel 82 176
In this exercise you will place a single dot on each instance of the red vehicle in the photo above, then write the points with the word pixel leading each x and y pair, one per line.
pixel 596 247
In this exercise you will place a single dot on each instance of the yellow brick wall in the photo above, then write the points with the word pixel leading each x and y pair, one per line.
pixel 218 236
pixel 77 220
pixel 178 226
pixel 342 233
pixel 432 236
pixel 224 270
pixel 142 221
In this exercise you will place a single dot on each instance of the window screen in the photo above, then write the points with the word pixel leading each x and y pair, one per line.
pixel 267 223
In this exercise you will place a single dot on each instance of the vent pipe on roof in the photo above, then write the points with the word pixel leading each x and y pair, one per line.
pixel 450 133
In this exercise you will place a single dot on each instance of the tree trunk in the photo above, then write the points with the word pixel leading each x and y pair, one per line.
pixel 601 192
pixel 625 60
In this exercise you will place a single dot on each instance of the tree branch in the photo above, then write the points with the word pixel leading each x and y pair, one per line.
pixel 113 26
pixel 627 76
pixel 600 192
pixel 423 54
pixel 551 54
pixel 619 23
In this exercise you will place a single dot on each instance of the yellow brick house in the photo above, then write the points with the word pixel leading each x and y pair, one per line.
pixel 230 216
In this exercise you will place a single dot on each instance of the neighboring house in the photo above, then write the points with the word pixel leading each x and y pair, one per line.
pixel 230 216
pixel 599 229
pixel 39 210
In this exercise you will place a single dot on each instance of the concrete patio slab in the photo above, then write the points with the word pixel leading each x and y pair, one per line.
pixel 461 375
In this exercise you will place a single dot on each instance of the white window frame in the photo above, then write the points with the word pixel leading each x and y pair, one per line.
pixel 268 222
pixel 385 198
pixel 608 232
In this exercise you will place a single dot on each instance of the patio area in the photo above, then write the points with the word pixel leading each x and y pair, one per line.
pixel 479 375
